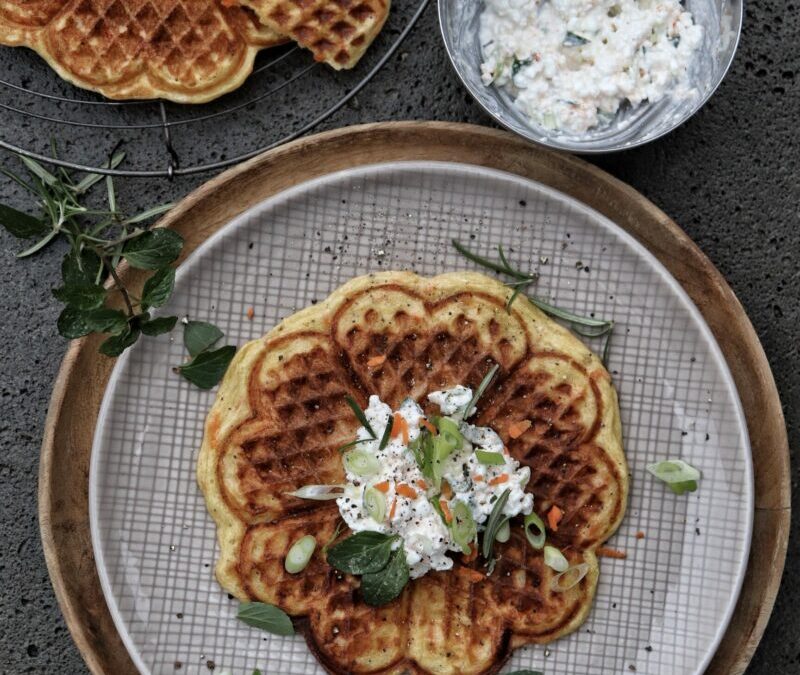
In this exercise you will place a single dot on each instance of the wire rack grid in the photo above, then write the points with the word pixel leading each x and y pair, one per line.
pixel 286 96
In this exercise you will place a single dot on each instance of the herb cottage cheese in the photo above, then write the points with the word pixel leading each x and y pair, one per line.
pixel 570 64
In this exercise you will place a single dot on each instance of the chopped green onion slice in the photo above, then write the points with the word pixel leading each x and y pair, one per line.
pixel 300 554
pixel 534 539
pixel 680 476
pixel 495 520
pixel 360 416
pixel 490 458
pixel 485 382
pixel 361 463
pixel 463 527
pixel 387 432
pixel 449 433
pixel 555 559
pixel 504 533
pixel 440 452
pixel 570 577
pixel 319 492
pixel 375 504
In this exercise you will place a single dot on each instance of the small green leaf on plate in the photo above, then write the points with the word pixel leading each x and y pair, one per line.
pixel 267 617
pixel 153 249
pixel 199 336
pixel 116 344
pixel 20 224
pixel 158 288
pixel 163 324
pixel 207 368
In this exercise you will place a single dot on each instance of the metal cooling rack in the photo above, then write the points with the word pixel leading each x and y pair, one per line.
pixel 38 106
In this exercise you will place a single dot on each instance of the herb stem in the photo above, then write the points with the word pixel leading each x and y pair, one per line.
pixel 120 286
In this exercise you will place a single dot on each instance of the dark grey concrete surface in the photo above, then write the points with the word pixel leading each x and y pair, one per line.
pixel 730 177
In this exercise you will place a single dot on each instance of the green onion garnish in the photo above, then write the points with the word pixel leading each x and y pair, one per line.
pixel 375 504
pixel 570 577
pixel 555 559
pixel 349 445
pixel 300 554
pixel 463 527
pixel 387 432
pixel 489 458
pixel 319 492
pixel 496 519
pixel 449 431
pixel 360 416
pixel 361 463
pixel 679 476
pixel 504 533
pixel 485 382
pixel 536 540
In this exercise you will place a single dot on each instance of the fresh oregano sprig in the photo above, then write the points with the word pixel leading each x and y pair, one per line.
pixel 583 325
pixel 99 238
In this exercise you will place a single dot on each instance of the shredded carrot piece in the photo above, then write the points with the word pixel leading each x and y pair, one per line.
pixel 498 480
pixel 429 427
pixel 606 552
pixel 518 428
pixel 472 575
pixel 383 486
pixel 447 491
pixel 376 361
pixel 422 484
pixel 399 427
pixel 406 491
pixel 472 555
pixel 640 535
pixel 251 313
pixel 477 478
pixel 393 509
pixel 448 516
pixel 554 516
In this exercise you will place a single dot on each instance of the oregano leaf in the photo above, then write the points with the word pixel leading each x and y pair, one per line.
pixel 153 249
pixel 158 326
pixel 158 288
pixel 72 324
pixel 116 344
pixel 207 368
pixel 199 336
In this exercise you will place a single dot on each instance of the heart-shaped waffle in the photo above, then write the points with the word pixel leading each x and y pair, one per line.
pixel 281 414
pixel 190 51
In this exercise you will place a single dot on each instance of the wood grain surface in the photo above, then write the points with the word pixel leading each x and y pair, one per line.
pixel 81 383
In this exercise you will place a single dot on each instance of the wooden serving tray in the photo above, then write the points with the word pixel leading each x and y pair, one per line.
pixel 81 383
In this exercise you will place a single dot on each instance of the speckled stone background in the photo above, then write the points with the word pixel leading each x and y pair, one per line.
pixel 730 177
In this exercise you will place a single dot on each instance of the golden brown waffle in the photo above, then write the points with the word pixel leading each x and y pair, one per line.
pixel 337 32
pixel 190 51
pixel 280 415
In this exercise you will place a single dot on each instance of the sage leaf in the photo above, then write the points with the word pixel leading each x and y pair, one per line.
pixel 381 587
pixel 117 344
pixel 158 288
pixel 267 617
pixel 153 249
pixel 363 553
pixel 199 336
pixel 106 320
pixel 20 224
pixel 72 324
pixel 83 296
pixel 207 368
pixel 158 326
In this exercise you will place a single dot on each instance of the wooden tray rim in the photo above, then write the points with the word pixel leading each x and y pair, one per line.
pixel 72 414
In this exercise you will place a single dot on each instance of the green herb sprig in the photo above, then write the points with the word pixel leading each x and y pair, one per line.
pixel 583 325
pixel 384 572
pixel 207 366
pixel 98 239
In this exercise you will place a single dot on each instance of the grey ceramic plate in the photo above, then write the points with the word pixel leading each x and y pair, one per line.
pixel 662 610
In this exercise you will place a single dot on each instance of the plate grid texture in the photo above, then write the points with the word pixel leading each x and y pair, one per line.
pixel 658 611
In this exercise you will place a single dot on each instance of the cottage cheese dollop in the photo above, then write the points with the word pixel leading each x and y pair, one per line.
pixel 570 64
pixel 425 536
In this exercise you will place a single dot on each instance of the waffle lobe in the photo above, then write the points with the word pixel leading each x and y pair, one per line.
pixel 189 51
pixel 280 416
